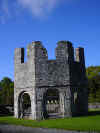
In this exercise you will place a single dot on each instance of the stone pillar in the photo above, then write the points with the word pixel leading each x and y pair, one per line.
pixel 33 106
pixel 39 103
pixel 61 96
pixel 15 105
pixel 39 111
pixel 83 101
pixel 67 102
pixel 18 60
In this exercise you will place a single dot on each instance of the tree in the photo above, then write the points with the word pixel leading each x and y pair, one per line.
pixel 93 74
pixel 7 91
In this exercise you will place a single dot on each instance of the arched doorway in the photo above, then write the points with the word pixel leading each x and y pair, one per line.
pixel 24 105
pixel 51 104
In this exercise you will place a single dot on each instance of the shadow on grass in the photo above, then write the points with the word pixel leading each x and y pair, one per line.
pixel 93 113
pixel 4 111
pixel 5 115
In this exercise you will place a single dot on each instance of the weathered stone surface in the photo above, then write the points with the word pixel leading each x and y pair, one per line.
pixel 39 74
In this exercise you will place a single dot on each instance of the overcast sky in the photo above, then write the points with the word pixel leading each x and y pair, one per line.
pixel 24 21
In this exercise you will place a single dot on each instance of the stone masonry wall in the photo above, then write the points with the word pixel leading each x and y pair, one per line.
pixel 66 72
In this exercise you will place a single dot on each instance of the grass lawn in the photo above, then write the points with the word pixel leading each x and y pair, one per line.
pixel 87 123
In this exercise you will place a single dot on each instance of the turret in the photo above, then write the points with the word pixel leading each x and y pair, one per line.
pixel 37 61
pixel 36 51
pixel 19 56
pixel 65 51
pixel 79 53
pixel 79 57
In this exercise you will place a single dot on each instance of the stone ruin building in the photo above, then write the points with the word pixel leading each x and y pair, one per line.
pixel 50 88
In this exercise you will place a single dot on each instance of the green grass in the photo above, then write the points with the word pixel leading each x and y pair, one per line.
pixel 87 123
pixel 97 109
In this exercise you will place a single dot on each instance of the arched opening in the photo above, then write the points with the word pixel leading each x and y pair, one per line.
pixel 24 105
pixel 51 104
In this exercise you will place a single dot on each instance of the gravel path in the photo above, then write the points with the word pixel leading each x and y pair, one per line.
pixel 22 129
